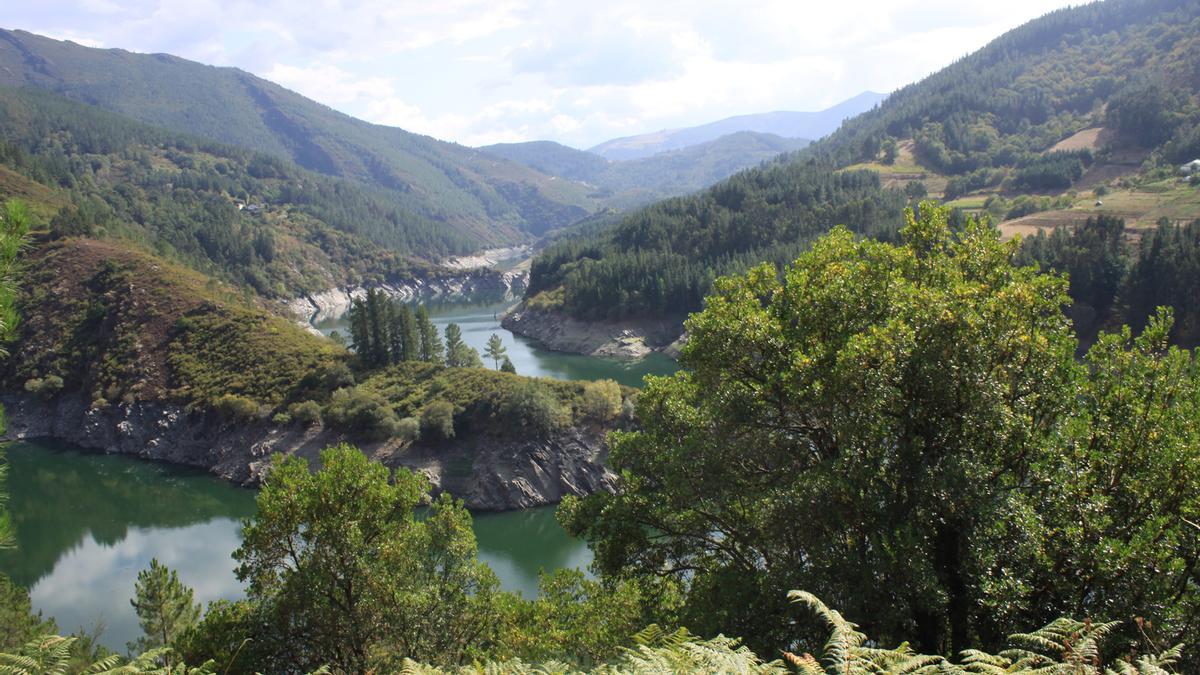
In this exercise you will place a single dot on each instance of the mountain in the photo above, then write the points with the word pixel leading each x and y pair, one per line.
pixel 1098 97
pixel 666 174
pixel 780 123
pixel 485 198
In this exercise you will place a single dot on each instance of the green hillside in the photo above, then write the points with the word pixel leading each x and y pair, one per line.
pixel 485 198
pixel 667 174
pixel 247 217
pixel 1095 98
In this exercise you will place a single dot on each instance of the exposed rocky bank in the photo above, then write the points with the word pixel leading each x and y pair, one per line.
pixel 484 281
pixel 487 473
pixel 631 339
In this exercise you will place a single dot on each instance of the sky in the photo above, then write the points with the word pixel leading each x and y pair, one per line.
pixel 573 72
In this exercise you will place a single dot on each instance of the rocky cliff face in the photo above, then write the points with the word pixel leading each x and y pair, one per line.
pixel 334 302
pixel 491 474
pixel 631 339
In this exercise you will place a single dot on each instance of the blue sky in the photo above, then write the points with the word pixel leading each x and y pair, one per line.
pixel 578 73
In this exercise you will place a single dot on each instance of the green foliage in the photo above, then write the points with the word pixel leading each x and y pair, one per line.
pixel 164 606
pixel 458 353
pixel 18 622
pixel 906 428
pixel 362 412
pixel 307 413
pixel 235 408
pixel 663 259
pixel 534 409
pixel 56 655
pixel 385 330
pixel 506 366
pixel 47 387
pixel 495 350
pixel 350 578
pixel 437 419
pixel 223 350
pixel 601 400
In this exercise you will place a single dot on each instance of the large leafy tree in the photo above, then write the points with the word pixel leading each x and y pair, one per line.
pixel 900 429
pixel 344 574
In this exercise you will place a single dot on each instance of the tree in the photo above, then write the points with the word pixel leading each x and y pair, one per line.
pixel 349 577
pixel 905 428
pixel 495 349
pixel 507 366
pixel 432 350
pixel 410 339
pixel 458 353
pixel 889 150
pixel 164 606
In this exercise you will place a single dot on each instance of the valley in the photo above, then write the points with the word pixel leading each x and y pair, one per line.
pixel 286 390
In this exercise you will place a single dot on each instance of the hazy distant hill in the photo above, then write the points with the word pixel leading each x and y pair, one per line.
pixel 811 125
pixel 489 199
pixel 666 174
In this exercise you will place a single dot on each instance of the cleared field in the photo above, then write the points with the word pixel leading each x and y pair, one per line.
pixel 1141 208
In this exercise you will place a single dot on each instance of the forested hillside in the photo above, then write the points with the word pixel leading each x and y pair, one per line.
pixel 1100 97
pixel 248 217
pixel 642 180
pixel 485 198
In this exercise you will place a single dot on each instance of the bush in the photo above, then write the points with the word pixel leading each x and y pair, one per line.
pixel 364 413
pixel 234 407
pixel 45 387
pixel 408 429
pixel 437 418
pixel 601 400
pixel 307 413
pixel 281 419
pixel 534 408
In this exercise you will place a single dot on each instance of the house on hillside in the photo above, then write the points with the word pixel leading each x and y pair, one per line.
pixel 1191 167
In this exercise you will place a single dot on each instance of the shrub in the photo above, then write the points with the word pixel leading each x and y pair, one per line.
pixel 281 419
pixel 438 418
pixel 307 413
pixel 601 400
pixel 45 387
pixel 234 407
pixel 408 429
pixel 534 408
pixel 361 412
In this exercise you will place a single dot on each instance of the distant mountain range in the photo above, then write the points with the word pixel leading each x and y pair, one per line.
pixel 810 125
pixel 666 174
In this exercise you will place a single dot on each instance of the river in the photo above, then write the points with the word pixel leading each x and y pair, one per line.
pixel 480 319
pixel 88 523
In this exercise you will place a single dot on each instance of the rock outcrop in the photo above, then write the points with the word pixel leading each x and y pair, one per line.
pixel 488 473
pixel 631 339
pixel 486 282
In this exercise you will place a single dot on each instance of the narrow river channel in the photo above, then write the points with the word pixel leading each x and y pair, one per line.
pixel 88 523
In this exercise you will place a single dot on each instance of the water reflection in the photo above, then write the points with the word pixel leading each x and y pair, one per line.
pixel 88 523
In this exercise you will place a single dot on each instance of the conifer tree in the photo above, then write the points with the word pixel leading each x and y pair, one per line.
pixel 164 606
pixel 432 350
pixel 496 349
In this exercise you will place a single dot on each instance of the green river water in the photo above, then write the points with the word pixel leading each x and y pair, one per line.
pixel 88 523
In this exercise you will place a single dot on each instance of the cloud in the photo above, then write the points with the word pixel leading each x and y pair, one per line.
pixel 477 71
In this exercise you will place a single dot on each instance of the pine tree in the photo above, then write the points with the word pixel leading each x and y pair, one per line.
pixel 164 606
pixel 378 355
pixel 507 366
pixel 495 349
pixel 410 339
pixel 458 353
pixel 432 350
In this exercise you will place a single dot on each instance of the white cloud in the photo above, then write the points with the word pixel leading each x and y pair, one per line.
pixel 478 71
